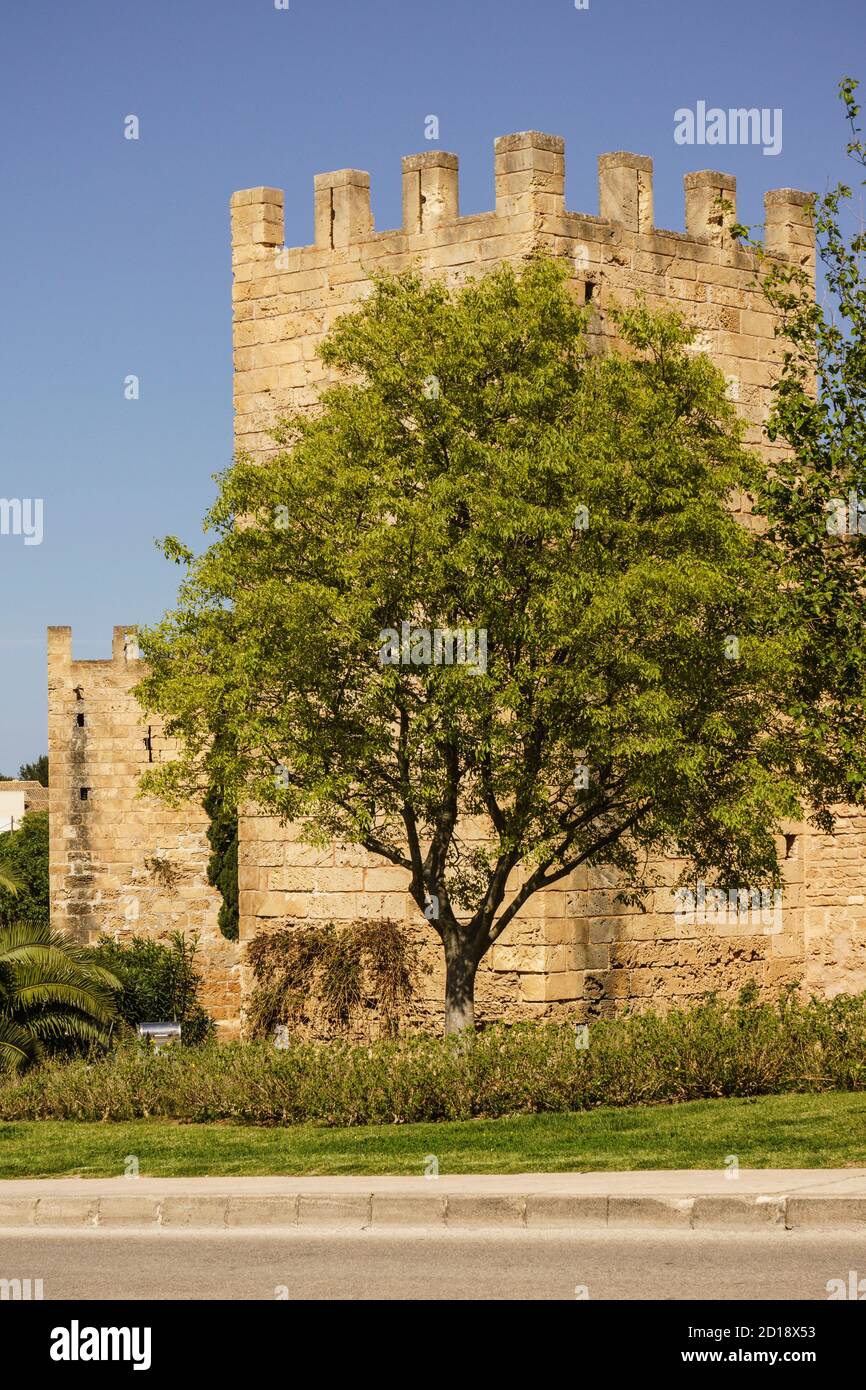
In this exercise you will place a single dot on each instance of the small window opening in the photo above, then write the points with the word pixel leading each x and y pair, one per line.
pixel 79 719
pixel 83 793
pixel 588 290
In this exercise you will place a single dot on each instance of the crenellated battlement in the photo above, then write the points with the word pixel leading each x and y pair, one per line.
pixel 124 651
pixel 285 299
pixel 530 184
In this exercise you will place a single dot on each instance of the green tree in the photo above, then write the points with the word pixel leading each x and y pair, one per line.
pixel 53 995
pixel 814 497
pixel 476 466
pixel 35 772
pixel 24 855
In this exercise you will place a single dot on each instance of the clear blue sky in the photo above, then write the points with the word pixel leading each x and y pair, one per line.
pixel 115 253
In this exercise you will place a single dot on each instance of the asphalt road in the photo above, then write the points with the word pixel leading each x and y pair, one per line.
pixel 442 1265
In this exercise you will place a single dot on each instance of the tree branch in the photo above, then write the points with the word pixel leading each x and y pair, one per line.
pixel 541 879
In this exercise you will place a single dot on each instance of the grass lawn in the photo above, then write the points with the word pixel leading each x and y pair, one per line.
pixel 788 1131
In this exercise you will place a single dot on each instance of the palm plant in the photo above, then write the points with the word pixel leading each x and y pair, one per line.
pixel 9 880
pixel 52 993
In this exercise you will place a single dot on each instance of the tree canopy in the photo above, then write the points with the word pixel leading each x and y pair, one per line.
pixel 36 771
pixel 814 496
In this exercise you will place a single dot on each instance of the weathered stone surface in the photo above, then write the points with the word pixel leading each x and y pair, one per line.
pixel 121 864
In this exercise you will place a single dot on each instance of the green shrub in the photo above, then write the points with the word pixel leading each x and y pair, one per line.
pixel 159 982
pixel 715 1049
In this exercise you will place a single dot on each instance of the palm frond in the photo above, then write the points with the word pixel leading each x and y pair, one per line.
pixel 21 1001
pixel 51 991
pixel 18 1046
pixel 10 881
pixel 61 1026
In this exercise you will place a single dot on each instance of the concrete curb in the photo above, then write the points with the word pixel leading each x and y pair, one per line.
pixel 384 1210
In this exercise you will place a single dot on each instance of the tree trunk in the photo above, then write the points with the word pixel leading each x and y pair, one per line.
pixel 460 971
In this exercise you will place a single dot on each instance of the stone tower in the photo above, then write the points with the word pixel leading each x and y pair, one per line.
pixel 119 863
pixel 573 948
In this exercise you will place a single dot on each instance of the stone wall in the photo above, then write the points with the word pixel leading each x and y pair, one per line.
pixel 834 912
pixel 120 863
pixel 574 951
pixel 285 300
